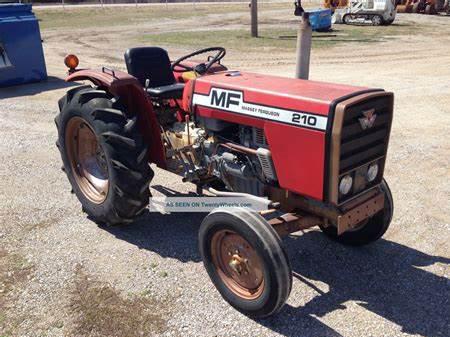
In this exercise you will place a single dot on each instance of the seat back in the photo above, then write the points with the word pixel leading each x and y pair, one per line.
pixel 151 63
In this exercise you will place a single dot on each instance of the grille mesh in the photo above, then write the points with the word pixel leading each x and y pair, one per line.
pixel 359 146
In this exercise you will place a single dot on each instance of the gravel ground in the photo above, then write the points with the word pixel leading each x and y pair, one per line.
pixel 62 275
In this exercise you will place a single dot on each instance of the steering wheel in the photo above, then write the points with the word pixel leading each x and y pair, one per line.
pixel 200 68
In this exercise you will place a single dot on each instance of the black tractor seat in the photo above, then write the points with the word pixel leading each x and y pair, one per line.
pixel 167 91
pixel 153 64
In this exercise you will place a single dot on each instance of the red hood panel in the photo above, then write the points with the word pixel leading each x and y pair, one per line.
pixel 282 92
pixel 293 113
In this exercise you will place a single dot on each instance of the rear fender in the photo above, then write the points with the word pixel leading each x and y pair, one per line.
pixel 132 95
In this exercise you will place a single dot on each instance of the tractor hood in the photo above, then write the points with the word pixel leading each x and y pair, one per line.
pixel 270 97
pixel 296 116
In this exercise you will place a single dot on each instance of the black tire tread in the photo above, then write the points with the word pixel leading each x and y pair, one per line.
pixel 373 230
pixel 116 139
pixel 125 149
pixel 131 125
pixel 108 113
pixel 272 249
pixel 86 96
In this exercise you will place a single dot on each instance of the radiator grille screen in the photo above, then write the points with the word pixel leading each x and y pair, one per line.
pixel 364 139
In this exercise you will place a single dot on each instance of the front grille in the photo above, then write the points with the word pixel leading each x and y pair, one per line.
pixel 354 147
pixel 359 146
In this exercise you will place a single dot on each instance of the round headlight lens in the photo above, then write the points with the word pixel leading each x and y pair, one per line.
pixel 372 172
pixel 346 184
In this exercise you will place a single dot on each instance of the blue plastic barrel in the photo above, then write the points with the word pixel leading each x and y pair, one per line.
pixel 320 19
pixel 21 54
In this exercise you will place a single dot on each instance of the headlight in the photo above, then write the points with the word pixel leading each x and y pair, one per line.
pixel 346 184
pixel 372 172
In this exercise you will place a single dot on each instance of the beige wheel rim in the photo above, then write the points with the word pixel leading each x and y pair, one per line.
pixel 238 264
pixel 87 160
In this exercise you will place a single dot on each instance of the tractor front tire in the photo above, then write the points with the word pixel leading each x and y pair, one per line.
pixel 369 230
pixel 104 155
pixel 244 258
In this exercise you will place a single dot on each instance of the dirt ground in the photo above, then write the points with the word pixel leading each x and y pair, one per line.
pixel 62 275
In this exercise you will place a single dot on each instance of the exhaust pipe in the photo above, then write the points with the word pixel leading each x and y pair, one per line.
pixel 304 37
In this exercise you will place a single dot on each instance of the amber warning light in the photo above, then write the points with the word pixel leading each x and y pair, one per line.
pixel 71 62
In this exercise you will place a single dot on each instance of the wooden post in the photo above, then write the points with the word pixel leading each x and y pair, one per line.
pixel 304 37
pixel 254 17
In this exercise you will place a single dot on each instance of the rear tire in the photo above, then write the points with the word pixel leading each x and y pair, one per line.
pixel 377 20
pixel 104 155
pixel 244 258
pixel 370 231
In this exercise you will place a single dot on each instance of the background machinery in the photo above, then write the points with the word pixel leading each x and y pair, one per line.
pixel 375 12
pixel 423 6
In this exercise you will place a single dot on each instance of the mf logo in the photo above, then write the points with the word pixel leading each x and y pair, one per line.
pixel 225 99
pixel 368 119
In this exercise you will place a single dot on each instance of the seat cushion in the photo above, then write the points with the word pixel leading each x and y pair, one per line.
pixel 167 91
pixel 150 63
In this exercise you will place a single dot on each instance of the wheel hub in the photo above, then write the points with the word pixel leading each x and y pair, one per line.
pixel 87 159
pixel 238 264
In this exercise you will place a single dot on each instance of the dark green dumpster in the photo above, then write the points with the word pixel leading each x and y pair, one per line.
pixel 21 55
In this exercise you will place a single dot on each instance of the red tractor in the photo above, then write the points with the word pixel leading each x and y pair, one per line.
pixel 313 152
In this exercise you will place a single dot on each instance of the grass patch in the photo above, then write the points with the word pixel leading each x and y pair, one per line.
pixel 117 16
pixel 272 39
pixel 234 39
pixel 233 32
pixel 100 310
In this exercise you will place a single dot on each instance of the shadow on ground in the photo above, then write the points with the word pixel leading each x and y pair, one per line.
pixel 30 89
pixel 385 278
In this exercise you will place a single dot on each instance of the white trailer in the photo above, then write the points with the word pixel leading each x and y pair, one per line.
pixel 375 12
